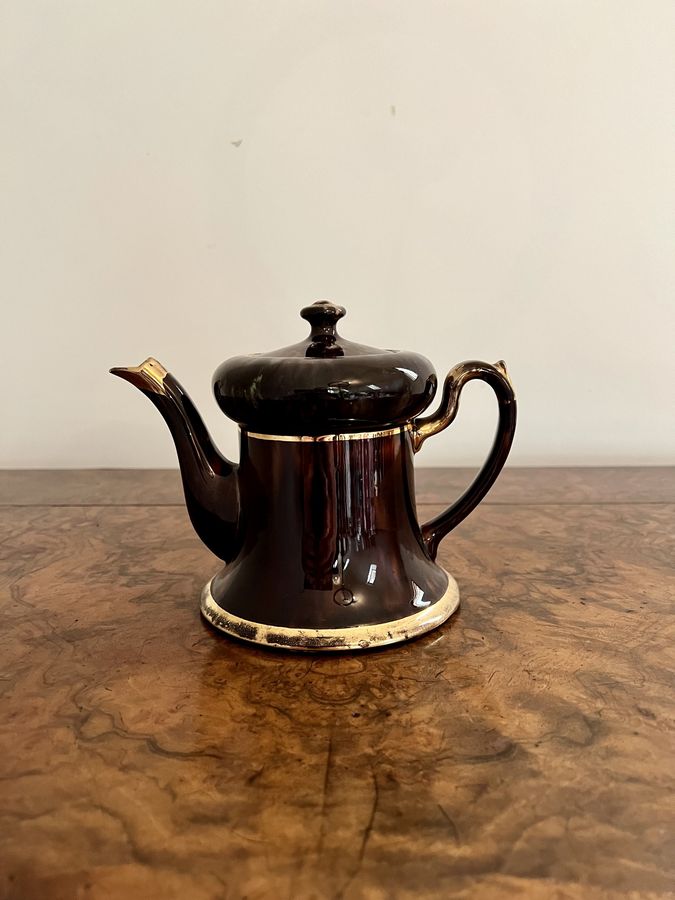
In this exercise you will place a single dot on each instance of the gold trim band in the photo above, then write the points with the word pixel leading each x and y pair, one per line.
pixel 321 438
pixel 358 637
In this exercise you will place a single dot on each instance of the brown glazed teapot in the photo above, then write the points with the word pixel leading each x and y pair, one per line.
pixel 316 524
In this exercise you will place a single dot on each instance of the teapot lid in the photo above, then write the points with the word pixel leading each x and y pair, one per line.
pixel 324 384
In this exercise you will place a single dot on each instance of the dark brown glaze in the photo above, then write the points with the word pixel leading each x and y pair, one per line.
pixel 329 535
pixel 496 376
pixel 324 384
pixel 317 522
pixel 209 480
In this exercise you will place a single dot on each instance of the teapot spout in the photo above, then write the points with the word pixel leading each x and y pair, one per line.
pixel 210 480
pixel 149 376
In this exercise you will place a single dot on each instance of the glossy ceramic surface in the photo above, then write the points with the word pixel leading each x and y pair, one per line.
pixel 324 383
pixel 329 536
pixel 317 522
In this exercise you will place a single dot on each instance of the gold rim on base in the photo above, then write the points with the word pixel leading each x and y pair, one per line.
pixel 357 637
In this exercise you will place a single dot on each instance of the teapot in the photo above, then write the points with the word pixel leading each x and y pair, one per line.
pixel 316 524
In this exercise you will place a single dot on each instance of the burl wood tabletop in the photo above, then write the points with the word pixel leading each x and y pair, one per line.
pixel 523 750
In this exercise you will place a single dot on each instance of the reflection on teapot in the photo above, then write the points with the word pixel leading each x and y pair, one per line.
pixel 317 523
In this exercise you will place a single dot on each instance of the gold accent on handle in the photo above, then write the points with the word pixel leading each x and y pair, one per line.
pixel 426 427
pixel 421 432
pixel 321 438
pixel 148 376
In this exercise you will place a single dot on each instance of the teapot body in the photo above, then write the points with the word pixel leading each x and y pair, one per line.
pixel 331 554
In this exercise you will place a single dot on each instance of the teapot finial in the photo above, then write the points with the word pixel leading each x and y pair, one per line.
pixel 323 316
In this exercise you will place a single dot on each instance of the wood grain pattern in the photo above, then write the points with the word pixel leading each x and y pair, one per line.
pixel 162 487
pixel 523 751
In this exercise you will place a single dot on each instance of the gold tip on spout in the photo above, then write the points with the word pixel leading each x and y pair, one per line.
pixel 148 376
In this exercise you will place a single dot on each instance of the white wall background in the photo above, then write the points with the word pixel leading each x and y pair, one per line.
pixel 469 178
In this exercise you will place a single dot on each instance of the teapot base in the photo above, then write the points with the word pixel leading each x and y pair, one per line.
pixel 356 637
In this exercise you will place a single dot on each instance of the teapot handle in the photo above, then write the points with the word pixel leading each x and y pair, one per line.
pixel 497 377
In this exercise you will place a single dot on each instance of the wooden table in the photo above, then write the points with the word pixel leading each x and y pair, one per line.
pixel 525 749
